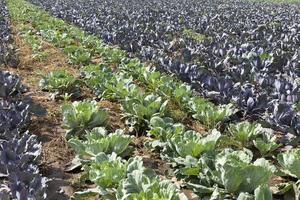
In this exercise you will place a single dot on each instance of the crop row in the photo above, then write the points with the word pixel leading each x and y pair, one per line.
pixel 20 151
pixel 178 145
pixel 7 50
pixel 229 161
pixel 227 156
pixel 229 51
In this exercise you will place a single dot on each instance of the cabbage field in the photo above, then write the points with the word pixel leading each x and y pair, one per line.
pixel 149 100
pixel 7 50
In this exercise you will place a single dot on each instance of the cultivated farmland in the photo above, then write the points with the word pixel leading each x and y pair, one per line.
pixel 149 100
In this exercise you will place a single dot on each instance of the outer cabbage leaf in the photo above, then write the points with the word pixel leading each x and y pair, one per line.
pixel 193 144
pixel 98 140
pixel 81 116
pixel 290 162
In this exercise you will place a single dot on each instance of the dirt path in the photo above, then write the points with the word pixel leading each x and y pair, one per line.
pixel 56 152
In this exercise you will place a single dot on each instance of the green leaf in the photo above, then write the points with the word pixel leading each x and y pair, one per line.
pixel 298 106
pixel 244 131
pixel 231 177
pixel 266 143
pixel 209 114
pixel 265 164
pixel 245 196
pixel 164 128
pixel 296 191
pixel 253 177
pixel 99 141
pixel 58 81
pixel 83 115
pixel 119 142
pixel 238 174
pixel 139 110
pixel 140 186
pixel 188 166
pixel 135 164
pixel 82 195
pixel 201 189
pixel 290 162
pixel 107 171
pixel 193 144
pixel 263 192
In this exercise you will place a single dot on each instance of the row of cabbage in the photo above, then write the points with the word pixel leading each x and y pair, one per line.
pixel 20 151
pixel 107 158
pixel 7 49
pixel 235 164
pixel 213 164
pixel 229 51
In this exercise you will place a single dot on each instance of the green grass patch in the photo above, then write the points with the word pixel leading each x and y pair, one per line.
pixel 194 35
